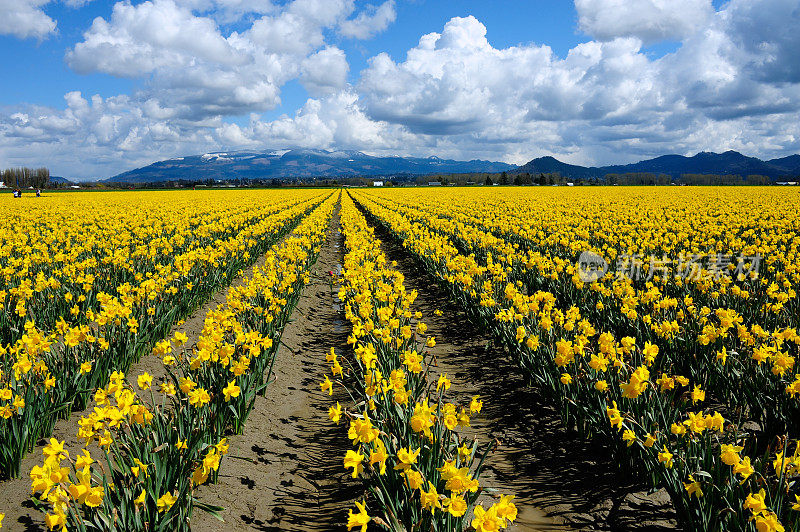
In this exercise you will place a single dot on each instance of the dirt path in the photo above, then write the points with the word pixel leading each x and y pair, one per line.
pixel 285 471
pixel 560 482
pixel 192 326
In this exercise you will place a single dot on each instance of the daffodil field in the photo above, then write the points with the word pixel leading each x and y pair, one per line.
pixel 681 356
pixel 661 322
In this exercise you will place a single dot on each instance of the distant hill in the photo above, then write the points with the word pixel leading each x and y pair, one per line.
pixel 729 162
pixel 551 165
pixel 281 164
pixel 790 164
pixel 58 179
pixel 303 164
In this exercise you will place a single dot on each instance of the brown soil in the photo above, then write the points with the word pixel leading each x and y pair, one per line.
pixel 285 471
pixel 559 481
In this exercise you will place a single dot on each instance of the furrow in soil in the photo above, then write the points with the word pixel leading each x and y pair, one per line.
pixel 285 471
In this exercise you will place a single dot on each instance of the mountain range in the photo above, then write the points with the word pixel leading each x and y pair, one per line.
pixel 304 164
pixel 729 162
pixel 282 164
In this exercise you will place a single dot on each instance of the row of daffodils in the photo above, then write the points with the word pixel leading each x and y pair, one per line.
pixel 408 443
pixel 148 445
pixel 59 252
pixel 690 379
pixel 114 297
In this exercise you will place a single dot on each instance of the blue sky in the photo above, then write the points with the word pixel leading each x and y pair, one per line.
pixel 31 61
pixel 96 87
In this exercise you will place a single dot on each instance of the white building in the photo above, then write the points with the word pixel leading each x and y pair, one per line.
pixel 377 183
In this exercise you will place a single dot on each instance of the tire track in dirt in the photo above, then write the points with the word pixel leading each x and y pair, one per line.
pixel 285 471
pixel 560 482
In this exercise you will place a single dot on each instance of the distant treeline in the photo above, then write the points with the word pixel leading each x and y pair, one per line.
pixel 25 177
pixel 503 178
pixel 711 179
pixel 644 178
pixel 636 178
pixel 230 183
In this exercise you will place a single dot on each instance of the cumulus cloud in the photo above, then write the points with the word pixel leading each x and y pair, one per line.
pixel 194 68
pixel 193 73
pixel 325 71
pixel 25 18
pixel 648 20
pixel 733 68
pixel 456 82
pixel 98 137
pixel 188 65
pixel 768 35
pixel 336 121
pixel 606 97
pixel 93 137
pixel 372 20
pixel 148 37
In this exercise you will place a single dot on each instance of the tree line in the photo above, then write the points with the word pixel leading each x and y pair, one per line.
pixel 556 178
pixel 645 178
pixel 25 177
pixel 465 179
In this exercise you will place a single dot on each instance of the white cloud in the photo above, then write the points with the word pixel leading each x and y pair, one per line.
pixel 25 18
pixel 336 121
pixel 193 70
pixel 456 83
pixel 372 20
pixel 325 13
pixel 76 3
pixel 97 137
pixel 286 33
pixel 736 68
pixel 147 37
pixel 767 32
pixel 325 71
pixel 648 20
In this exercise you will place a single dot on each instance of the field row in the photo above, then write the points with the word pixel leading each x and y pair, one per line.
pixel 421 470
